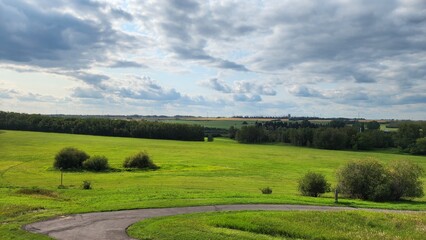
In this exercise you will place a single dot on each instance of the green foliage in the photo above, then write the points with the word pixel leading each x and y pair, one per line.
pixel 140 160
pixel 404 177
pixel 266 190
pixel 330 138
pixel 101 126
pixel 210 138
pixel 407 135
pixel 70 158
pixel 420 147
pixel 373 125
pixel 87 185
pixel 370 180
pixel 363 179
pixel 251 134
pixel 232 132
pixel 313 184
pixel 373 139
pixel 96 163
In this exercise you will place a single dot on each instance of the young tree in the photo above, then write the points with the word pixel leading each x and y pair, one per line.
pixel 313 184
pixel 404 177
pixel 70 158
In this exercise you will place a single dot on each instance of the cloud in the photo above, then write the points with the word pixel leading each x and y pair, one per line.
pixel 303 91
pixel 86 93
pixel 143 88
pixel 247 98
pixel 217 85
pixel 126 64
pixel 39 34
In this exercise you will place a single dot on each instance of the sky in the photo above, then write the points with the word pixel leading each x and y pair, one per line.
pixel 334 58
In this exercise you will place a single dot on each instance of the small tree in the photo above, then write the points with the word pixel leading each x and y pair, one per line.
pixel 404 177
pixel 363 179
pixel 70 158
pixel 369 180
pixel 96 163
pixel 419 147
pixel 140 160
pixel 313 184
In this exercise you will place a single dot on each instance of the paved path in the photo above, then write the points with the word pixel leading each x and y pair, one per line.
pixel 113 225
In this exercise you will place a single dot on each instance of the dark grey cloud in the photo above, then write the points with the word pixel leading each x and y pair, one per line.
pixel 187 26
pixel 217 85
pixel 44 35
pixel 127 64
pixel 143 88
pixel 89 78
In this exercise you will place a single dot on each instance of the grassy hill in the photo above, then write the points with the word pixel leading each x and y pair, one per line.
pixel 191 173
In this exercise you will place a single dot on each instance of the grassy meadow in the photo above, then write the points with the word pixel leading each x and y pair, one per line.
pixel 271 225
pixel 191 173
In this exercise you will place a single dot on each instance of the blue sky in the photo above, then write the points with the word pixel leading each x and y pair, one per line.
pixel 333 58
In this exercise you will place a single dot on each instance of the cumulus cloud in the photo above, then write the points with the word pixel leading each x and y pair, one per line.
pixel 217 85
pixel 240 89
pixel 143 88
pixel 57 34
pixel 87 93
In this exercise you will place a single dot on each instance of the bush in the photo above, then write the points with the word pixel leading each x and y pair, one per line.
pixel 96 163
pixel 404 178
pixel 363 179
pixel 210 138
pixel 420 147
pixel 313 184
pixel 266 190
pixel 70 158
pixel 369 180
pixel 86 185
pixel 140 160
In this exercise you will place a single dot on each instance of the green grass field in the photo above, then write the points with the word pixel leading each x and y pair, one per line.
pixel 283 225
pixel 191 173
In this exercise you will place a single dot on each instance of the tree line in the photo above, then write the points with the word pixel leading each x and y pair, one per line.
pixel 410 137
pixel 101 126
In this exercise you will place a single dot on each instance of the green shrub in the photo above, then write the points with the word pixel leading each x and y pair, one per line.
pixel 70 158
pixel 419 147
pixel 86 185
pixel 96 163
pixel 363 179
pixel 370 180
pixel 313 184
pixel 210 138
pixel 140 160
pixel 266 190
pixel 404 179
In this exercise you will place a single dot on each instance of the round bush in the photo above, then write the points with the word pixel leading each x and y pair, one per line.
pixel 140 160
pixel 96 163
pixel 313 184
pixel 365 179
pixel 70 158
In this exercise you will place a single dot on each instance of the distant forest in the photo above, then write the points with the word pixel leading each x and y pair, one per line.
pixel 101 126
pixel 337 134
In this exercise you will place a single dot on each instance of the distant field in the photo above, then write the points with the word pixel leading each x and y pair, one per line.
pixel 191 173
pixel 283 225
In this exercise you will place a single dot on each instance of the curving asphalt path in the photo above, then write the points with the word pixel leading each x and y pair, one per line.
pixel 113 225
